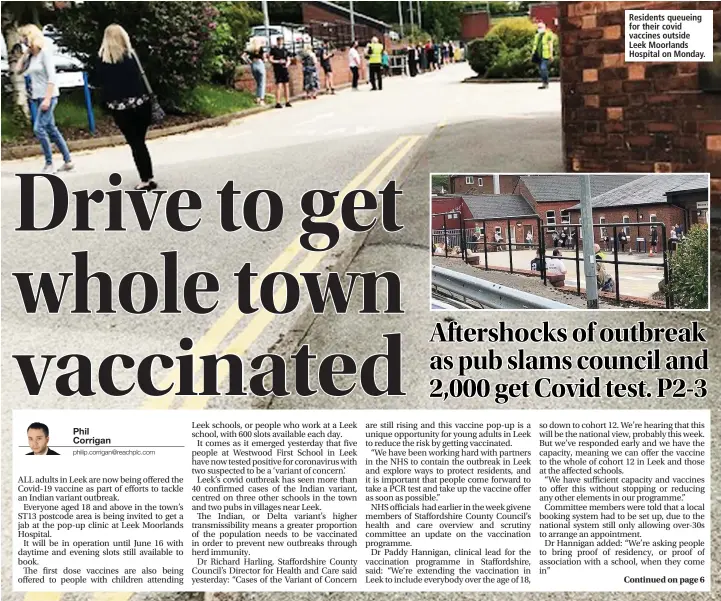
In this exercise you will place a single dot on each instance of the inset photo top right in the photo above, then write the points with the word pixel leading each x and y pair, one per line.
pixel 559 241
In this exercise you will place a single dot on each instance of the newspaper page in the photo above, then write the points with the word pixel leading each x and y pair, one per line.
pixel 361 299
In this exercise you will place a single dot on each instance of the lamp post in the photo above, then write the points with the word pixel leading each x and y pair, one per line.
pixel 266 18
pixel 400 16
pixel 352 21
pixel 589 256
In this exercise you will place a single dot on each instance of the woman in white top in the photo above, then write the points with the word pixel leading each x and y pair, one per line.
pixel 37 63
pixel 354 63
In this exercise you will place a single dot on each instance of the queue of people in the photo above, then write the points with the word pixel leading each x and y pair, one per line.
pixel 430 56
pixel 128 97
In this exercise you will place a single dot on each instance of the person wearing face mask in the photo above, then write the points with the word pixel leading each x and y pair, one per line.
pixel 543 52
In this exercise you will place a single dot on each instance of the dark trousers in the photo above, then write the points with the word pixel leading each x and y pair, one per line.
pixel 134 124
pixel 376 76
pixel 354 71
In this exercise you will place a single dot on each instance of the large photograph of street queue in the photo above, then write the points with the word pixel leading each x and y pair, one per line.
pixel 517 241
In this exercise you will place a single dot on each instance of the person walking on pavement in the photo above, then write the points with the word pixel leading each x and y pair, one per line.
pixel 354 63
pixel 543 52
pixel 37 64
pixel 280 59
pixel 325 53
pixel 310 73
pixel 257 68
pixel 127 98
pixel 375 62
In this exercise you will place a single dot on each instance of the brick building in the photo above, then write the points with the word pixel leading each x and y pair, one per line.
pixel 509 215
pixel 470 184
pixel 319 16
pixel 553 201
pixel 546 12
pixel 552 196
pixel 677 199
pixel 636 117
pixel 475 24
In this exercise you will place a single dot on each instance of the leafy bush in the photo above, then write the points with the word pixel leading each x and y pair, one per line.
pixel 505 53
pixel 481 54
pixel 515 32
pixel 517 63
pixel 230 38
pixel 689 270
pixel 174 40
pixel 511 64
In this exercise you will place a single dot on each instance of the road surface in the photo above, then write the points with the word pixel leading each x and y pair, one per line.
pixel 338 143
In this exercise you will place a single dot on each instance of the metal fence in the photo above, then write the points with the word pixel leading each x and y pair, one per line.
pixel 475 293
pixel 616 262
pixel 337 33
pixel 463 238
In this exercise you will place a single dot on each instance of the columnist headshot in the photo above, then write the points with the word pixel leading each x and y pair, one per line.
pixel 38 439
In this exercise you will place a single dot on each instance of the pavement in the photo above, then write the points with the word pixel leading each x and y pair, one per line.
pixel 353 140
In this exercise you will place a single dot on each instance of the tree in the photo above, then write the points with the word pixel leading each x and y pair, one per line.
pixel 689 270
pixel 174 40
pixel 281 12
pixel 441 180
pixel 230 37
pixel 446 16
pixel 15 14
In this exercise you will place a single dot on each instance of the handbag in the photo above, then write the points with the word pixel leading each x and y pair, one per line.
pixel 157 114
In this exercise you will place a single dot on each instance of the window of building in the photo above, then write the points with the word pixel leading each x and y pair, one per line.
pixel 653 219
pixel 627 230
pixel 480 181
pixel 499 230
pixel 469 180
pixel 551 220
pixel 566 217
pixel 602 222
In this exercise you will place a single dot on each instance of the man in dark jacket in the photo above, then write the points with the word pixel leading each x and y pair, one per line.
pixel 38 439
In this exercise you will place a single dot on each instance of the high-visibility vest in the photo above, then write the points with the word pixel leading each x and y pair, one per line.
pixel 376 53
pixel 547 40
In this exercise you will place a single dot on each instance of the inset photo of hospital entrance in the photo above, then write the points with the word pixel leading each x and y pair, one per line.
pixel 569 242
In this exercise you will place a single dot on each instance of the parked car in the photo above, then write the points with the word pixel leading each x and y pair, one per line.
pixel 4 67
pixel 64 61
pixel 294 39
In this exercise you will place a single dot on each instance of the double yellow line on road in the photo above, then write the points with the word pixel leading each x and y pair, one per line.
pixel 212 339
pixel 243 341
pixel 372 177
